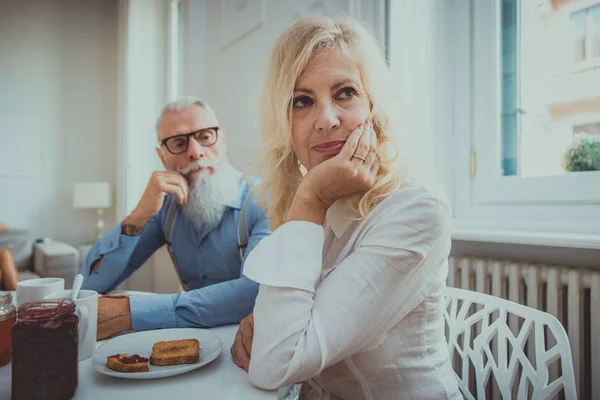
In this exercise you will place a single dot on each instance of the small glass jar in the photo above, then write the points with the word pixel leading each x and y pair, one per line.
pixel 8 314
pixel 45 350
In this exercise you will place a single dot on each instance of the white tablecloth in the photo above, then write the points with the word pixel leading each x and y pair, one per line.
pixel 219 380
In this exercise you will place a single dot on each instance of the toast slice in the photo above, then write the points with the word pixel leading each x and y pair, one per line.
pixel 127 363
pixel 174 352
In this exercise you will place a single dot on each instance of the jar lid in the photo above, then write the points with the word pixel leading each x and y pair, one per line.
pixel 7 309
pixel 5 297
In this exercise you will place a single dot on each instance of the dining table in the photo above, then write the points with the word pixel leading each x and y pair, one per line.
pixel 220 379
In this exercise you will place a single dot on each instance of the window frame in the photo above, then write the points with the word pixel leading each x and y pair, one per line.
pixel 488 204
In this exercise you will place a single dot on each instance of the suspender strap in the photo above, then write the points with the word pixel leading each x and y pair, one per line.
pixel 171 214
pixel 242 226
pixel 242 231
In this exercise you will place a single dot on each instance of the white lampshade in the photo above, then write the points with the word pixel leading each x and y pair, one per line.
pixel 91 195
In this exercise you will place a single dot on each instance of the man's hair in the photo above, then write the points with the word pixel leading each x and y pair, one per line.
pixel 180 105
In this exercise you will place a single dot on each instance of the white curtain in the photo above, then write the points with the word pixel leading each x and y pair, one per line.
pixel 147 86
pixel 145 93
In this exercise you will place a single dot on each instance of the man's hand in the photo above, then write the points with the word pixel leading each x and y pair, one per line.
pixel 114 316
pixel 160 185
pixel 242 345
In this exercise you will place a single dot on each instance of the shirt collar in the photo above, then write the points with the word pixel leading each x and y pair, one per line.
pixel 340 215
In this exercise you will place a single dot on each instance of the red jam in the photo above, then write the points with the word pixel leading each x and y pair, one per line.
pixel 45 351
pixel 130 359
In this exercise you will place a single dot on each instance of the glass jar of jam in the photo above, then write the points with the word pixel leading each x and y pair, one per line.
pixel 45 350
pixel 8 314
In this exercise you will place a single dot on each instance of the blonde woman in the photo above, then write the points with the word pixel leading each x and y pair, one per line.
pixel 352 278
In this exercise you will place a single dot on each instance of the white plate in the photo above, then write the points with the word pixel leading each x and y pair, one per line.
pixel 141 343
pixel 130 292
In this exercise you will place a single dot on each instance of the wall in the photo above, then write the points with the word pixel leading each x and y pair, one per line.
pixel 58 77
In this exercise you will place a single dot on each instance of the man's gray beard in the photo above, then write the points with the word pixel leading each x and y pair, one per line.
pixel 208 195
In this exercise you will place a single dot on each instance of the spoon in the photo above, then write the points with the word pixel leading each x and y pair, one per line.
pixel 76 286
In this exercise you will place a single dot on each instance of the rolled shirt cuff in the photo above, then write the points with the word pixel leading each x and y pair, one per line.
pixel 155 311
pixel 291 256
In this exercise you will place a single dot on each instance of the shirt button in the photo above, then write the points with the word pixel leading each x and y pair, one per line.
pixel 111 244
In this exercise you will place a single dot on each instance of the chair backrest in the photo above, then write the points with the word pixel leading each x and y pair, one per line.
pixel 526 351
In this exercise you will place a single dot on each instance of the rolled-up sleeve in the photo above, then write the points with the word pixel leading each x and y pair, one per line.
pixel 153 311
pixel 299 330
pixel 120 255
pixel 302 257
pixel 220 304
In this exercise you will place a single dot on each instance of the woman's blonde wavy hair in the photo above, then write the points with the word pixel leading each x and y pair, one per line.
pixel 278 165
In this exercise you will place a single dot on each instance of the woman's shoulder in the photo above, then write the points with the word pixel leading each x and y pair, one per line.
pixel 421 190
pixel 415 217
pixel 419 202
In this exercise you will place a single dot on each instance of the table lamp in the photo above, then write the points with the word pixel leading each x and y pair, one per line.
pixel 93 195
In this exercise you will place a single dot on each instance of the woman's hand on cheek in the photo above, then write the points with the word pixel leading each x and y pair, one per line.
pixel 353 170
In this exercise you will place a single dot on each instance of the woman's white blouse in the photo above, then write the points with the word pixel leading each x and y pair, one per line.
pixel 354 309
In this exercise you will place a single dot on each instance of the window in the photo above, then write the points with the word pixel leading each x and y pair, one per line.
pixel 519 107
pixel 540 104
pixel 591 129
pixel 585 28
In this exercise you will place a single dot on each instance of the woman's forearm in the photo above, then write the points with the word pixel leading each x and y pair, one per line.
pixel 307 207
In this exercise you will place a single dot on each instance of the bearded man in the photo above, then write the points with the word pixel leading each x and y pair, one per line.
pixel 197 207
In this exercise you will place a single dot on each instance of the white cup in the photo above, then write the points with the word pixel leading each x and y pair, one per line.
pixel 86 306
pixel 36 289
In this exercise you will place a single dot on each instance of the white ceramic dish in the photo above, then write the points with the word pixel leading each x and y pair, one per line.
pixel 141 343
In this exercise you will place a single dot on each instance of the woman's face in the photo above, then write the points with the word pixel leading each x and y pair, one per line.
pixel 329 101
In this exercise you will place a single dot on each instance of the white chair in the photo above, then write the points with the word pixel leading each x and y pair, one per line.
pixel 479 339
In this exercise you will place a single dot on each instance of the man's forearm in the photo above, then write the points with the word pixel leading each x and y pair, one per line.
pixel 113 316
pixel 223 303
pixel 134 224
pixel 108 260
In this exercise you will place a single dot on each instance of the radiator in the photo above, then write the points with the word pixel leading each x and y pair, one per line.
pixel 570 294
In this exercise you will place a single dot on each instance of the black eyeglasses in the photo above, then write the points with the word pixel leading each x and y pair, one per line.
pixel 179 144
